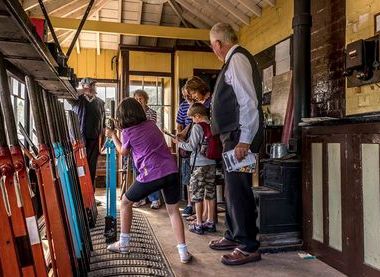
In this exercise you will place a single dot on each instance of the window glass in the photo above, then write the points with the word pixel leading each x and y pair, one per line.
pixel 106 92
pixel 18 103
pixel 20 111
pixel 33 128
pixel 14 86
pixel 160 96
pixel 22 91
pixel 67 106
pixel 101 92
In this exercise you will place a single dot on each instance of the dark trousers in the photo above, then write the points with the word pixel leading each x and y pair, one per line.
pixel 241 210
pixel 92 151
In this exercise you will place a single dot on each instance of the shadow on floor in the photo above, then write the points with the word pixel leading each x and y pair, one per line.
pixel 207 262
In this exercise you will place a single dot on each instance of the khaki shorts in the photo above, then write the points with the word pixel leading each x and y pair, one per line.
pixel 202 183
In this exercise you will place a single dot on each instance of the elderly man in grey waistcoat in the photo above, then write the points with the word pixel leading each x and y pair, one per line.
pixel 237 117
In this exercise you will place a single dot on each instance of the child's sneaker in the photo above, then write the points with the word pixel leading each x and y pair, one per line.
pixel 209 227
pixel 188 211
pixel 196 228
pixel 118 248
pixel 186 258
pixel 155 205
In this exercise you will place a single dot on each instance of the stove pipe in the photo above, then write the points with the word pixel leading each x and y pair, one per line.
pixel 302 22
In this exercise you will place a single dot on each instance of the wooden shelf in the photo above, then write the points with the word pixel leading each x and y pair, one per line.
pixel 24 49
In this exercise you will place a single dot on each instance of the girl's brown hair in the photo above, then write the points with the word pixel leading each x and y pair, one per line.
pixel 196 84
pixel 129 113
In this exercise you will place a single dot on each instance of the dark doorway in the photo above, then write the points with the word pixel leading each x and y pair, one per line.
pixel 207 75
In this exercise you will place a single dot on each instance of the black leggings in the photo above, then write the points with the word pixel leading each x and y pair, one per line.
pixel 169 186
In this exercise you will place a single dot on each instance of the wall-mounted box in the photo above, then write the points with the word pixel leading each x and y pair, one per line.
pixel 355 55
pixel 362 62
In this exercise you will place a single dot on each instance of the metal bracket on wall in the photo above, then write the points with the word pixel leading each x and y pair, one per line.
pixel 362 62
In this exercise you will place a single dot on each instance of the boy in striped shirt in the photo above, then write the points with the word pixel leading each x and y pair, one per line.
pixel 184 121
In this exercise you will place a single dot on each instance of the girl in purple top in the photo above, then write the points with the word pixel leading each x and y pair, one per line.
pixel 157 171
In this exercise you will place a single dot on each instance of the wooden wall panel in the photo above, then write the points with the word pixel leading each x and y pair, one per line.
pixel 371 204
pixel 274 25
pixel 317 185
pixel 149 61
pixel 334 196
pixel 355 145
pixel 187 61
pixel 89 64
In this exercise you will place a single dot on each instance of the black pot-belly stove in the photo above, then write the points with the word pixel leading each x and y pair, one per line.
pixel 278 203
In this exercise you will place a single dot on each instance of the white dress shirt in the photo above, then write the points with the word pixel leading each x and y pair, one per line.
pixel 239 76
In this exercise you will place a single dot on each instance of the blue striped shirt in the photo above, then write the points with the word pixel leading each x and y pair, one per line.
pixel 182 117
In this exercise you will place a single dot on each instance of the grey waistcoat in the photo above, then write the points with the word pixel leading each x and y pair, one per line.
pixel 224 105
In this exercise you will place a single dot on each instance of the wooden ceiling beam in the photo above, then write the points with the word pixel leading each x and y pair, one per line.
pixel 30 4
pixel 60 7
pixel 120 19
pixel 51 7
pixel 67 34
pixel 132 29
pixel 196 12
pixel 139 20
pixel 161 11
pixel 251 6
pixel 234 11
pixel 178 12
pixel 186 17
pixel 271 3
pixel 212 9
pixel 70 9
pixel 97 36
pixel 99 4
pixel 77 43
pixel 194 21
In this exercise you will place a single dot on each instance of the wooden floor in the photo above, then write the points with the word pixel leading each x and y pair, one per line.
pixel 207 262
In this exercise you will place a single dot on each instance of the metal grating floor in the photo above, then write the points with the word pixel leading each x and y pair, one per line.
pixel 144 259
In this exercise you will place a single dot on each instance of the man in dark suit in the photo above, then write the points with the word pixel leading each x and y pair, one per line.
pixel 91 113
